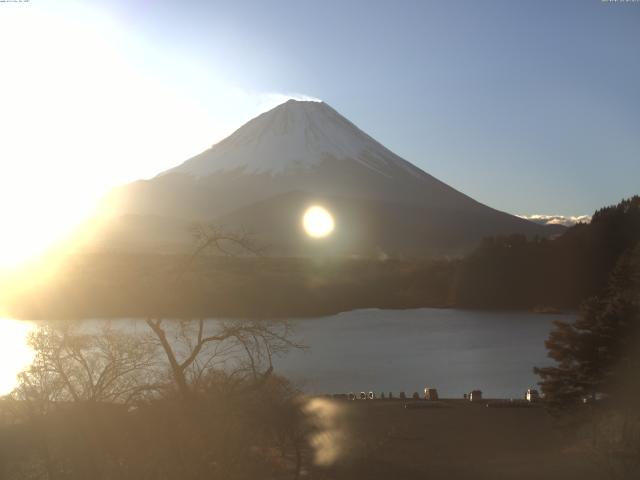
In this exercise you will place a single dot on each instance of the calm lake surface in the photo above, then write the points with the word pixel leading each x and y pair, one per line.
pixel 454 351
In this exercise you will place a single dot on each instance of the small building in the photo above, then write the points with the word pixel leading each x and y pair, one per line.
pixel 372 396
pixel 403 396
pixel 430 393
pixel 363 396
pixel 475 395
pixel 532 395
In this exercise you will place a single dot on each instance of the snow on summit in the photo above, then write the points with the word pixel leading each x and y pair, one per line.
pixel 296 134
pixel 264 176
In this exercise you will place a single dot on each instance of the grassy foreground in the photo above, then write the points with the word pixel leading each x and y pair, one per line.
pixel 451 440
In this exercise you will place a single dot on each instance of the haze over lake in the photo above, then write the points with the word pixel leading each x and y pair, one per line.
pixel 394 350
pixel 405 350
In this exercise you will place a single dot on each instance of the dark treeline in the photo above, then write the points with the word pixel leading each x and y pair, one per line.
pixel 592 388
pixel 123 285
pixel 513 272
pixel 510 272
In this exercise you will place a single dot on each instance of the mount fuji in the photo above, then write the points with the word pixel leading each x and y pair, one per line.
pixel 263 177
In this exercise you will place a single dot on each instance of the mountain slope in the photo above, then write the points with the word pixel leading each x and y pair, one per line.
pixel 304 152
pixel 370 228
pixel 294 135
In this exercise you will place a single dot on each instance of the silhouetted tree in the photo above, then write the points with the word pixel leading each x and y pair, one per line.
pixel 513 272
pixel 595 383
pixel 591 350
pixel 188 399
pixel 197 345
pixel 72 365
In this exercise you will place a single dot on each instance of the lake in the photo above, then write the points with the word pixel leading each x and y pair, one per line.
pixel 454 351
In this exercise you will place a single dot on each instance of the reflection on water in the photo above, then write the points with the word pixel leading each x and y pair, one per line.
pixel 330 435
pixel 15 353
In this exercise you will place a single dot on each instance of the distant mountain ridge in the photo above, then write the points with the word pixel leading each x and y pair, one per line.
pixel 263 176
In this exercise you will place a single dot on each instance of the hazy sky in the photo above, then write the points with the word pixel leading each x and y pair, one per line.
pixel 529 107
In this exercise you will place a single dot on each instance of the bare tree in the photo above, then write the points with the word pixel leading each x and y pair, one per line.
pixel 71 365
pixel 192 347
pixel 80 400
pixel 71 404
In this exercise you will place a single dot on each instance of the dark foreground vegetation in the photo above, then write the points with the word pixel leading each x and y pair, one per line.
pixel 247 428
pixel 173 401
pixel 190 400
pixel 510 272
pixel 456 440
pixel 594 387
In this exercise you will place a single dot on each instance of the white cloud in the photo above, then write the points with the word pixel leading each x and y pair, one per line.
pixel 263 102
pixel 566 220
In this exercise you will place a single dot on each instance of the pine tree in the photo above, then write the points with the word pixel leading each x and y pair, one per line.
pixel 597 349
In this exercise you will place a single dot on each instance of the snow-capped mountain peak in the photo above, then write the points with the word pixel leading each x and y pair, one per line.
pixel 264 176
pixel 296 134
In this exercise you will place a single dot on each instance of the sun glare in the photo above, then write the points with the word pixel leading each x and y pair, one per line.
pixel 78 118
pixel 318 222
pixel 87 105
pixel 16 354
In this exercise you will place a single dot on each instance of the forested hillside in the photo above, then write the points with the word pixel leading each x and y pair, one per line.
pixel 512 272
pixel 507 272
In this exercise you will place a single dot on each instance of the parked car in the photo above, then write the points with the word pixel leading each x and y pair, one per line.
pixel 430 393
pixel 475 395
pixel 532 395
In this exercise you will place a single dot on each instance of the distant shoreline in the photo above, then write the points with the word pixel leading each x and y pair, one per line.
pixel 99 317
pixel 118 285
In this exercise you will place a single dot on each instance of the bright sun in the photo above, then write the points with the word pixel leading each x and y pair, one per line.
pixel 85 105
pixel 16 353
pixel 94 123
pixel 318 222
